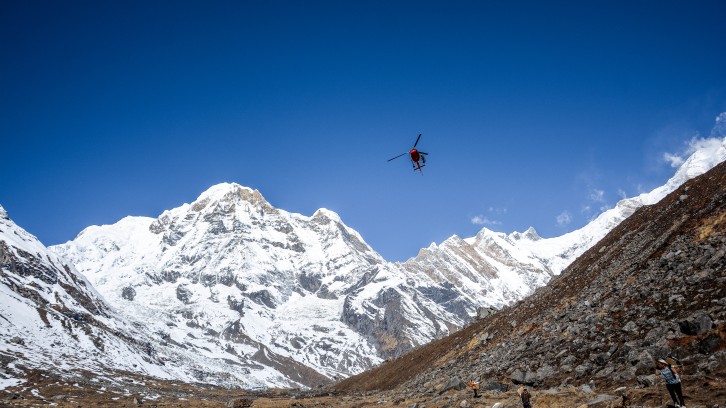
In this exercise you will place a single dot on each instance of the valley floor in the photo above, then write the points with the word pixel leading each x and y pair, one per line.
pixel 43 389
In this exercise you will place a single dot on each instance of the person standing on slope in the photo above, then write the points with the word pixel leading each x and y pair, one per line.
pixel 525 396
pixel 474 385
pixel 673 382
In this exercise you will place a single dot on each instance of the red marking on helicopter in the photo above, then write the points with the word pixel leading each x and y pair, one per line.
pixel 417 157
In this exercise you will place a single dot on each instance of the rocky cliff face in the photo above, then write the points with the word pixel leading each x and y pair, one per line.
pixel 654 286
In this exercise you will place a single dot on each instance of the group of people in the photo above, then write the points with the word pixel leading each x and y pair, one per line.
pixel 523 392
pixel 664 369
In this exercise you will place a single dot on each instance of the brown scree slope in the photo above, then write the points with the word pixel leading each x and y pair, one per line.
pixel 654 286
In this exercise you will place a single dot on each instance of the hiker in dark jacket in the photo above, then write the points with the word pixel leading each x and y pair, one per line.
pixel 525 396
pixel 673 382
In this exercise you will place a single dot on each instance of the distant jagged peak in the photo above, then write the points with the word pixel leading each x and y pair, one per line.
pixel 424 251
pixel 454 240
pixel 323 214
pixel 530 234
pixel 3 213
pixel 485 234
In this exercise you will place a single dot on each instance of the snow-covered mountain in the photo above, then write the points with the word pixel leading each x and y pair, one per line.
pixel 234 279
pixel 243 292
pixel 292 300
pixel 52 318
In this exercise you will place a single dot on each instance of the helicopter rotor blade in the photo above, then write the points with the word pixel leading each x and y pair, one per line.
pixel 423 152
pixel 397 156
pixel 417 139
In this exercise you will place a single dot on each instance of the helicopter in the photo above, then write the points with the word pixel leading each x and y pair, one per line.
pixel 415 156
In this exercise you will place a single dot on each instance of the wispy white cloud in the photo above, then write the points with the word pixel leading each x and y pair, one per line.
pixel 595 198
pixel 498 211
pixel 719 130
pixel 711 143
pixel 597 195
pixel 491 219
pixel 696 143
pixel 622 194
pixel 673 159
pixel 483 220
pixel 564 219
pixel 591 213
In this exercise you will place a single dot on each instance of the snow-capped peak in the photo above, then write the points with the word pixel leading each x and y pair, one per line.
pixel 229 263
pixel 229 192
pixel 325 213
pixel 531 234
pixel 222 189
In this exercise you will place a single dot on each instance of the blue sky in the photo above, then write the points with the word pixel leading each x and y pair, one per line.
pixel 533 113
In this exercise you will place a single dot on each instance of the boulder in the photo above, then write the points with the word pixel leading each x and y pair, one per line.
pixel 696 324
pixel 454 383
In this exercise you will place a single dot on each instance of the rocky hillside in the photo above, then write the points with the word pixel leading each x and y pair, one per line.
pixel 654 286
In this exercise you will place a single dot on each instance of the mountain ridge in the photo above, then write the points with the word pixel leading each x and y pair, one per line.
pixel 229 283
pixel 230 255
pixel 582 338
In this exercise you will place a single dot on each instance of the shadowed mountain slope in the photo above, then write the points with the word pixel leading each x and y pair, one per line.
pixel 654 286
